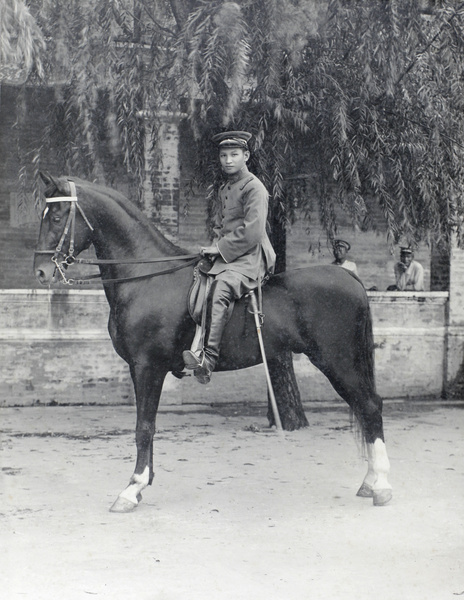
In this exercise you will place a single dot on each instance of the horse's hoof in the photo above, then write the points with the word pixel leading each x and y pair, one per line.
pixel 122 505
pixel 382 497
pixel 365 491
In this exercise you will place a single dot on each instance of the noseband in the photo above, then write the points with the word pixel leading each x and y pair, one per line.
pixel 62 261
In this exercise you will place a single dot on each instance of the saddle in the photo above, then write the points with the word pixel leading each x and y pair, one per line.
pixel 196 297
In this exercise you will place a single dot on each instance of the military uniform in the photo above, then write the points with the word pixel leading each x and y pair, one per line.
pixel 240 228
pixel 244 256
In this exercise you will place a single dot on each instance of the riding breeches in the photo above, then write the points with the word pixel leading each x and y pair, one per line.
pixel 226 288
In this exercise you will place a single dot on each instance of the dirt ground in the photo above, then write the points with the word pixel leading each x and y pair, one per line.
pixel 235 512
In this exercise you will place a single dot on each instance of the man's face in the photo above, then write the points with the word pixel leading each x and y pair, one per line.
pixel 339 253
pixel 233 159
pixel 406 258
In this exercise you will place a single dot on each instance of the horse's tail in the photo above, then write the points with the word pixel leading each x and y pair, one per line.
pixel 365 338
pixel 365 366
pixel 365 347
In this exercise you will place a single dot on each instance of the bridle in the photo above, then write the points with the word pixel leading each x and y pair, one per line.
pixel 63 261
pixel 60 260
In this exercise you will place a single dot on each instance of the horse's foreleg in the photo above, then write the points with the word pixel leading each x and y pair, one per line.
pixel 148 386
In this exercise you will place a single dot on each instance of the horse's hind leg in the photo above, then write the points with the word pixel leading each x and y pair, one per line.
pixel 375 484
pixel 359 392
pixel 148 385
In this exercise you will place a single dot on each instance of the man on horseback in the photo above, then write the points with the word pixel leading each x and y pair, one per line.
pixel 241 250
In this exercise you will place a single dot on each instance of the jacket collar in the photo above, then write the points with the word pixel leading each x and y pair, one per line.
pixel 239 175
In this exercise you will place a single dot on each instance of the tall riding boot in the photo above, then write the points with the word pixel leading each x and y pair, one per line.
pixel 219 309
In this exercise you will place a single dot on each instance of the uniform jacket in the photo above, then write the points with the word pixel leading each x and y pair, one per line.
pixel 349 265
pixel 240 228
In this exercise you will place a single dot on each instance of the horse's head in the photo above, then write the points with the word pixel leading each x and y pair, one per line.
pixel 64 231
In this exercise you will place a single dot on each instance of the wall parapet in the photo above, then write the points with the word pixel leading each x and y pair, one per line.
pixel 56 340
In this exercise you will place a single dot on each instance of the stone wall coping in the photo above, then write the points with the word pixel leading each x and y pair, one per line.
pixel 379 296
pixel 52 291
pixel 76 296
pixel 30 334
pixel 41 293
pixel 408 297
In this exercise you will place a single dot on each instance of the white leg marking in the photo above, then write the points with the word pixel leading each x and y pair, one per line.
pixel 370 477
pixel 135 487
pixel 378 466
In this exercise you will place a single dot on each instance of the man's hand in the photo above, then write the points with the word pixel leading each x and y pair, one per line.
pixel 209 250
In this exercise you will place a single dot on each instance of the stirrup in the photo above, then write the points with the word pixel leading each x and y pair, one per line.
pixel 191 360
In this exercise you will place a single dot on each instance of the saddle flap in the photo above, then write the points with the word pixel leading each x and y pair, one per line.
pixel 198 290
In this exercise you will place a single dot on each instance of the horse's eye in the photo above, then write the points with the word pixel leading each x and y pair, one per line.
pixel 56 219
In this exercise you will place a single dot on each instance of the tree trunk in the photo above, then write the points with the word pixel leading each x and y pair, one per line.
pixel 180 10
pixel 281 371
pixel 287 395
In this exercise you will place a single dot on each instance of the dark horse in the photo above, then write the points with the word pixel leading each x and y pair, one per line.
pixel 321 311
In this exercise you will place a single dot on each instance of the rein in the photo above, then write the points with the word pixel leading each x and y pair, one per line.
pixel 62 261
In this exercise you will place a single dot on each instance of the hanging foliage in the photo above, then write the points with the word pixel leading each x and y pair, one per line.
pixel 357 104
pixel 21 43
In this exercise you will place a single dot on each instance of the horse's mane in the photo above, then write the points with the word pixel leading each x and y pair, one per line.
pixel 134 212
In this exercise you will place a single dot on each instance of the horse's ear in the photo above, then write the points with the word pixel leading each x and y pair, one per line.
pixel 53 184
pixel 46 178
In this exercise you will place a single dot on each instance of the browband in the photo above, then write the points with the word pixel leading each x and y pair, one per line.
pixel 61 199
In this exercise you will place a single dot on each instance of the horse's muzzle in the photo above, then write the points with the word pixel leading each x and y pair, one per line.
pixel 44 269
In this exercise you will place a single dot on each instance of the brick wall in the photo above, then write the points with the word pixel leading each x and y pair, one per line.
pixel 162 187
pixel 56 349
pixel 440 263
pixel 192 205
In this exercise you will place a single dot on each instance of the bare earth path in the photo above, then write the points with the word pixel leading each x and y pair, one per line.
pixel 234 512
